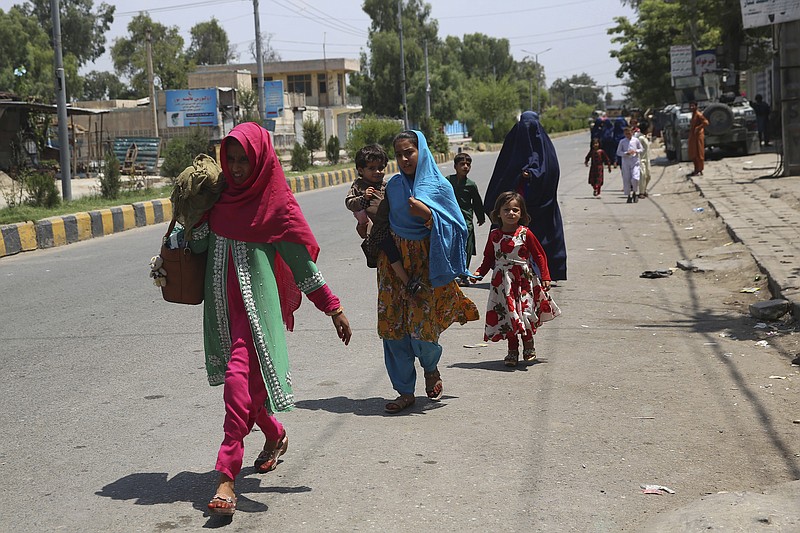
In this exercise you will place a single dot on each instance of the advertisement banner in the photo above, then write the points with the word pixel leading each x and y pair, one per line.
pixel 757 13
pixel 681 60
pixel 705 61
pixel 193 107
pixel 273 96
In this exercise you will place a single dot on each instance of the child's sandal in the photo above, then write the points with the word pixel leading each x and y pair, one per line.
pixel 512 358
pixel 529 354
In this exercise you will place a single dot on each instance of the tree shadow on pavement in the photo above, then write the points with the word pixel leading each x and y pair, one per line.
pixel 152 488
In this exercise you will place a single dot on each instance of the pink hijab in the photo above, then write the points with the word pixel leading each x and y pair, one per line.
pixel 263 209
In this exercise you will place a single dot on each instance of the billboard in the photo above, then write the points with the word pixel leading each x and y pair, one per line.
pixel 705 61
pixel 757 13
pixel 681 60
pixel 193 107
pixel 273 97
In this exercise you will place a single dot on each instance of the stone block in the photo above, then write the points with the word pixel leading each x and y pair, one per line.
pixel 769 309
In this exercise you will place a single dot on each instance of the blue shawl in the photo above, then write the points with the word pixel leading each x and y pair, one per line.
pixel 447 258
pixel 528 147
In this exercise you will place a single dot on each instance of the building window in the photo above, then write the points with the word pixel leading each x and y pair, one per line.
pixel 340 83
pixel 299 84
pixel 323 84
pixel 254 83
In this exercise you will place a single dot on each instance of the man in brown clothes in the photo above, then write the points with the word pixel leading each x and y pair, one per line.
pixel 697 139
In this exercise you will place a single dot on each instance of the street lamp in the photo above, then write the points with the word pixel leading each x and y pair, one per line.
pixel 538 95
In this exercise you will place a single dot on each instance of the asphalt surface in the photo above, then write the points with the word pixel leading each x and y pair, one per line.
pixel 109 424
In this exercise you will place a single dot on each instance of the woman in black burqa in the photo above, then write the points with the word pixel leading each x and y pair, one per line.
pixel 528 164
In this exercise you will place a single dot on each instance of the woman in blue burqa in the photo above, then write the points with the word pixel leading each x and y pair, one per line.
pixel 528 164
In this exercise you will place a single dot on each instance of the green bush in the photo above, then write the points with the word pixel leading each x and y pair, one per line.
pixel 312 136
pixel 373 130
pixel 300 158
pixel 181 151
pixel 332 150
pixel 501 129
pixel 41 189
pixel 482 134
pixel 111 179
pixel 434 132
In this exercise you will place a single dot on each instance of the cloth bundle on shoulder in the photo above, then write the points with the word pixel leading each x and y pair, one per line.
pixel 197 188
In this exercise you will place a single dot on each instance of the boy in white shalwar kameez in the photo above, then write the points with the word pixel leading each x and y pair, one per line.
pixel 629 150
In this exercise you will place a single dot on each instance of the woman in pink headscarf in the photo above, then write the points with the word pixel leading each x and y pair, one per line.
pixel 261 258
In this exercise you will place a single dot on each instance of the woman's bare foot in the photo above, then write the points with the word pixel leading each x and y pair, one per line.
pixel 224 500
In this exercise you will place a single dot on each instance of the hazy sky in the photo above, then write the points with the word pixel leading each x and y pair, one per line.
pixel 574 30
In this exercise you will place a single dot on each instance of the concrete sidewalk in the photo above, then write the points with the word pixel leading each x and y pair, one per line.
pixel 763 213
pixel 760 211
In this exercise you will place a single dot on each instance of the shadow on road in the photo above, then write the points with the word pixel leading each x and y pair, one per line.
pixel 367 406
pixel 152 488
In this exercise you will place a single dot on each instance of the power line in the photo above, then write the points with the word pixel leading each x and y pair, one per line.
pixel 353 28
pixel 176 7
pixel 323 22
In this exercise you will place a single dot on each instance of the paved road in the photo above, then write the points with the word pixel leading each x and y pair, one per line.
pixel 109 424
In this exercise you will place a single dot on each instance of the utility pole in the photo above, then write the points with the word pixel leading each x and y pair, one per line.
pixel 151 82
pixel 402 62
pixel 260 67
pixel 427 84
pixel 538 76
pixel 61 99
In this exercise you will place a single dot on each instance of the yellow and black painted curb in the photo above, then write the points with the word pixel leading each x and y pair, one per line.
pixel 67 229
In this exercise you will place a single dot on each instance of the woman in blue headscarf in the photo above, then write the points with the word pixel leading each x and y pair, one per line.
pixel 528 164
pixel 430 232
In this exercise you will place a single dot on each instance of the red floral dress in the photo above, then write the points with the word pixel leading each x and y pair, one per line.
pixel 517 303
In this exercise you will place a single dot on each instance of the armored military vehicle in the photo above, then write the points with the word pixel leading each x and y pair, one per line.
pixel 732 121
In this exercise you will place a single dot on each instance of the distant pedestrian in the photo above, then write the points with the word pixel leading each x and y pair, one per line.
pixel 517 300
pixel 697 139
pixel 598 158
pixel 762 110
pixel 430 232
pixel 366 200
pixel 628 151
pixel 469 200
pixel 528 164
pixel 644 164
pixel 261 256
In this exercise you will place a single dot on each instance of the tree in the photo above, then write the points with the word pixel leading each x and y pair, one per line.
pixel 486 56
pixel 27 58
pixel 706 24
pixel 492 101
pixel 268 53
pixel 169 60
pixel 210 44
pixel 82 29
pixel 380 82
pixel 104 86
pixel 312 136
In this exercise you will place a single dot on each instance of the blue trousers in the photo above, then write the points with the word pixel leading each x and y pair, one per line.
pixel 399 357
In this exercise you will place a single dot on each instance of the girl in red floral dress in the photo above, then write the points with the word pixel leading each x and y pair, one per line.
pixel 518 301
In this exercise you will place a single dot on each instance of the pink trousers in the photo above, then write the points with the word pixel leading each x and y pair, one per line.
pixel 244 392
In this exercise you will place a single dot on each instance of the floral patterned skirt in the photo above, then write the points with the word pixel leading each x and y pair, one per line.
pixel 425 315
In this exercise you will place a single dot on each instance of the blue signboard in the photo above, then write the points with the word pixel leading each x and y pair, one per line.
pixel 195 107
pixel 273 96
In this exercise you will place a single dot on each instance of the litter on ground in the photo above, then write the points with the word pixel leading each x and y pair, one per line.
pixel 656 489
pixel 750 289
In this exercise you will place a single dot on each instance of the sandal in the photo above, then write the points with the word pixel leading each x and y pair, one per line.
pixel 222 505
pixel 529 354
pixel 512 358
pixel 433 385
pixel 267 460
pixel 398 404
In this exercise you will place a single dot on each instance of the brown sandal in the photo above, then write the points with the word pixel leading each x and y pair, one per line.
pixel 434 387
pixel 222 505
pixel 398 404
pixel 512 358
pixel 267 460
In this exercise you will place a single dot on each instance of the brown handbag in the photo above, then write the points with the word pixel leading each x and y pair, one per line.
pixel 186 271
